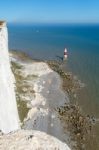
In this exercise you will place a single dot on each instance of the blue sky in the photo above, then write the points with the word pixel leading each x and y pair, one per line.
pixel 50 11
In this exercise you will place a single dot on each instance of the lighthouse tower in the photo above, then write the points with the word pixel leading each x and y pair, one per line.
pixel 65 54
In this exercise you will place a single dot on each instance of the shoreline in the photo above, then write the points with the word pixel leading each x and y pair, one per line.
pixel 70 87
pixel 80 125
pixel 46 84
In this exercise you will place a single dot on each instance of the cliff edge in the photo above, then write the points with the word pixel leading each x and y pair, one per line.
pixel 9 120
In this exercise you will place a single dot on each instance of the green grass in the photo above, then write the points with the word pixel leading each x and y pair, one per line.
pixel 15 65
pixel 21 83
pixel 22 109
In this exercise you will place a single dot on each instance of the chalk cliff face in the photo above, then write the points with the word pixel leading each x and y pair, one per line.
pixel 9 120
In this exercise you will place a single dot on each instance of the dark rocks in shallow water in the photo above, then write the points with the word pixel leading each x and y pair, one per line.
pixel 78 125
pixel 70 83
pixel 70 115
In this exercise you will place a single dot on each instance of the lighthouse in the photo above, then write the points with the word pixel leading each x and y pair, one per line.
pixel 65 54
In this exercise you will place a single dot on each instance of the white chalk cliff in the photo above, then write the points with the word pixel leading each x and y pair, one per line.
pixel 9 120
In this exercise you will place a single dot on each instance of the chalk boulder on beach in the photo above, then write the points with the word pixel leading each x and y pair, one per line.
pixel 31 140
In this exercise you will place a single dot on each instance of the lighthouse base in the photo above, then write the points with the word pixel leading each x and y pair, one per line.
pixel 64 58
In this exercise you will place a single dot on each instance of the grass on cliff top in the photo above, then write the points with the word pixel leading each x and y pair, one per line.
pixel 21 55
pixel 15 65
pixel 22 105
pixel 22 109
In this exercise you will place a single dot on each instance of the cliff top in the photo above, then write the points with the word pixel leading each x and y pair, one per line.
pixel 2 23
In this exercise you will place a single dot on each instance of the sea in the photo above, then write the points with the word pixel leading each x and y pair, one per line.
pixel 48 41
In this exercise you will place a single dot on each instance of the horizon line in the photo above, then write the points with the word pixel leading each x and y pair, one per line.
pixel 53 23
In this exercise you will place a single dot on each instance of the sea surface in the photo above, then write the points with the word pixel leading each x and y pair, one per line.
pixel 82 42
